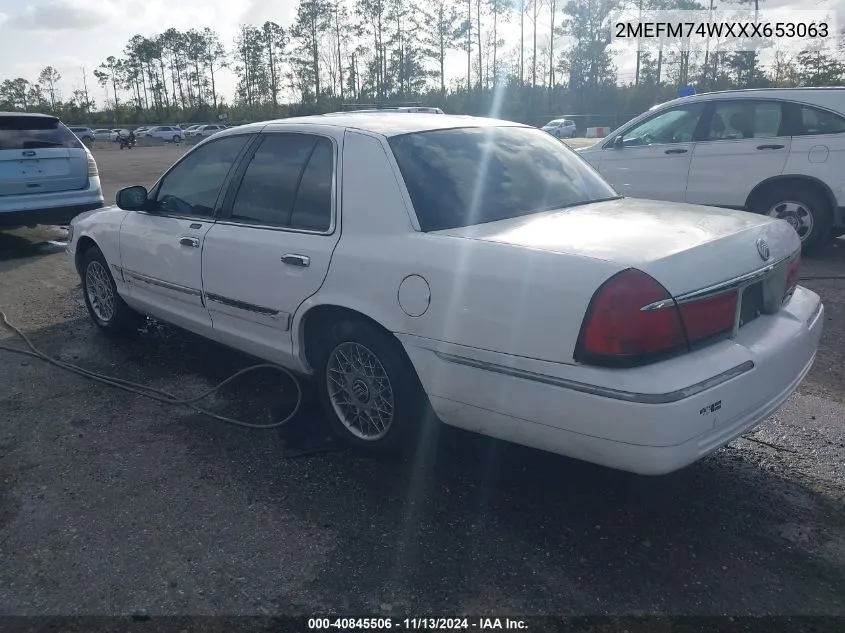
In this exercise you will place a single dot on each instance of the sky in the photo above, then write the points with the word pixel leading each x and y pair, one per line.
pixel 75 34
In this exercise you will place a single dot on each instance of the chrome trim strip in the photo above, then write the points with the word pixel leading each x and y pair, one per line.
pixel 163 284
pixel 736 282
pixel 250 307
pixel 605 392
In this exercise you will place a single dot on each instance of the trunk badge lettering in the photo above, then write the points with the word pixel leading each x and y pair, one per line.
pixel 763 249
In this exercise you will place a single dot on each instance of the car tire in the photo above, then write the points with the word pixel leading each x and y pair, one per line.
pixel 105 306
pixel 377 373
pixel 806 208
pixel 176 138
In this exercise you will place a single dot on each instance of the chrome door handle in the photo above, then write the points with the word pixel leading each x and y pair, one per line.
pixel 190 241
pixel 296 260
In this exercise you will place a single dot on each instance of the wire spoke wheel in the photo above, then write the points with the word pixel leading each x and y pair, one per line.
pixel 360 391
pixel 799 216
pixel 98 287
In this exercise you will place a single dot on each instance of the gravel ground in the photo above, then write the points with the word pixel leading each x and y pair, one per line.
pixel 114 504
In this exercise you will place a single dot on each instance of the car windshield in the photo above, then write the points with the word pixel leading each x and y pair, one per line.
pixel 31 132
pixel 466 176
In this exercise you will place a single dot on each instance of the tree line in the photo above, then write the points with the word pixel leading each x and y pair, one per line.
pixel 342 51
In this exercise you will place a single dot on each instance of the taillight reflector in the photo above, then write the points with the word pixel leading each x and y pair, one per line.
pixel 92 167
pixel 793 272
pixel 709 316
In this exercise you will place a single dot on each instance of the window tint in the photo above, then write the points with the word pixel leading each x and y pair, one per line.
pixel 815 121
pixel 29 132
pixel 267 191
pixel 676 125
pixel 460 177
pixel 733 120
pixel 191 187
pixel 313 207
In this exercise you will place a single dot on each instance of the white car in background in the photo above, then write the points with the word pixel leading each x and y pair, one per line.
pixel 164 132
pixel 47 175
pixel 777 152
pixel 561 128
pixel 102 134
pixel 118 132
pixel 83 133
pixel 205 130
pixel 483 272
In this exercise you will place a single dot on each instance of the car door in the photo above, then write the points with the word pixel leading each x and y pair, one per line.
pixel 654 158
pixel 743 143
pixel 161 248
pixel 272 246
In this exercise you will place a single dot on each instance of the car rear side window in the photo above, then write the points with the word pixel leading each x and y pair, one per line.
pixel 30 132
pixel 279 172
pixel 743 119
pixel 466 176
pixel 313 207
pixel 813 121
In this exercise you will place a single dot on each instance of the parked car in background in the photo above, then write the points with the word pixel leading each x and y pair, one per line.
pixel 777 152
pixel 83 133
pixel 640 335
pixel 187 130
pixel 164 133
pixel 102 134
pixel 205 130
pixel 140 130
pixel 118 132
pixel 561 128
pixel 47 175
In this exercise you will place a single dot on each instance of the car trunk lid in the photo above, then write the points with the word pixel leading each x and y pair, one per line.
pixel 38 154
pixel 685 247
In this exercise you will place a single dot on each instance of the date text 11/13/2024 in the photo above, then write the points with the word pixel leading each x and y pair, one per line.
pixel 412 624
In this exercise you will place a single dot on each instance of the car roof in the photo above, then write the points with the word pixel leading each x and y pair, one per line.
pixel 386 123
pixel 28 114
pixel 820 96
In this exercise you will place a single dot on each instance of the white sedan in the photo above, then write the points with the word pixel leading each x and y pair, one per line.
pixel 473 268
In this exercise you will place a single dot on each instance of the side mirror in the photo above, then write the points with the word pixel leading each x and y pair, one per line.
pixel 132 198
pixel 619 142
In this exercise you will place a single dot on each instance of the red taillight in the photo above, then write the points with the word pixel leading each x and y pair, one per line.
pixel 793 271
pixel 617 331
pixel 709 316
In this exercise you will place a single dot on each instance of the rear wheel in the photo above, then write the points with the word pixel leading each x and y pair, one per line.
pixel 105 306
pixel 368 388
pixel 176 138
pixel 806 209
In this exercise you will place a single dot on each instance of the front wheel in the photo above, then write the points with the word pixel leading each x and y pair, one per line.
pixel 105 306
pixel 807 211
pixel 176 138
pixel 368 388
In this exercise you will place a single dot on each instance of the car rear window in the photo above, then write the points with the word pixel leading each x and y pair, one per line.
pixel 466 176
pixel 29 132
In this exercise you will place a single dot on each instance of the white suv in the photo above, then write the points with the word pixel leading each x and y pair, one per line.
pixel 560 128
pixel 779 152
pixel 165 133
pixel 47 176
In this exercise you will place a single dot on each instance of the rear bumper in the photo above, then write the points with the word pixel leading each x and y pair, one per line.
pixel 59 215
pixel 649 420
pixel 50 208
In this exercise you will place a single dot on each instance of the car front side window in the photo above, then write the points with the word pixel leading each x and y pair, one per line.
pixel 285 183
pixel 676 125
pixel 192 186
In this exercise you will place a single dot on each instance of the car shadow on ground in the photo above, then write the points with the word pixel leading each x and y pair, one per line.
pixel 22 243
pixel 471 521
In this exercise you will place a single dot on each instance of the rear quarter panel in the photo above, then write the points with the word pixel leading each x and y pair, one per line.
pixel 497 297
pixel 821 157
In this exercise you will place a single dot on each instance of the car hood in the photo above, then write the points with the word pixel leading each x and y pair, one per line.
pixel 678 243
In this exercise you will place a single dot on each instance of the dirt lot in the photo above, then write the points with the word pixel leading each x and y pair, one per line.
pixel 115 504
